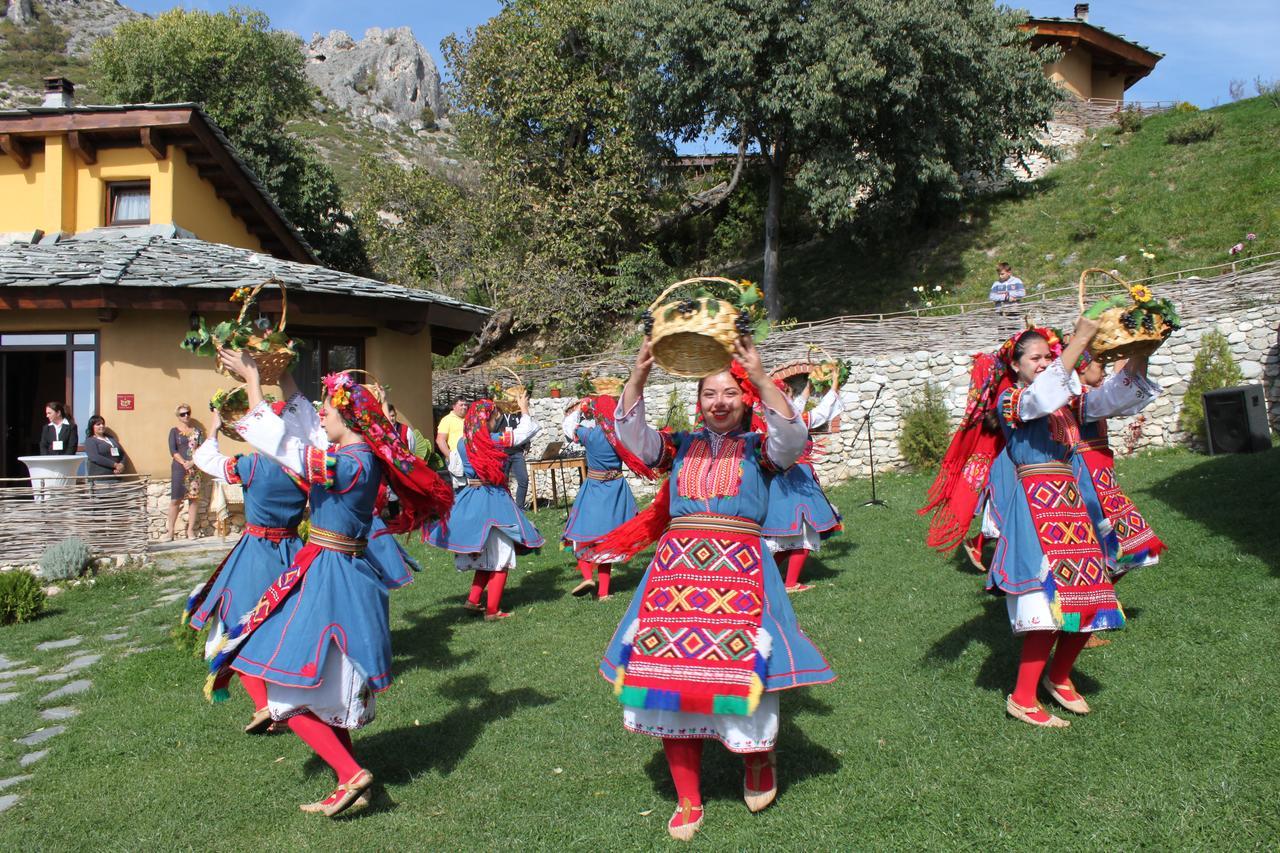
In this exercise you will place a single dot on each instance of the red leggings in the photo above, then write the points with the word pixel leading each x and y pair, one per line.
pixel 602 571
pixel 1036 646
pixel 493 583
pixel 795 564
pixel 331 743
pixel 684 758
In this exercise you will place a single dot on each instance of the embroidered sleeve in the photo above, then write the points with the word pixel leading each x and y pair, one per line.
pixel 828 407
pixel 231 472
pixel 1051 390
pixel 1123 393
pixel 785 441
pixel 456 467
pixel 1010 402
pixel 319 466
pixel 571 422
pixel 211 461
pixel 302 422
pixel 523 431
pixel 644 441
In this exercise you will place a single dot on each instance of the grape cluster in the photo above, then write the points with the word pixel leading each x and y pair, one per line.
pixel 687 306
pixel 1128 321
pixel 646 320
pixel 742 323
pixel 1148 323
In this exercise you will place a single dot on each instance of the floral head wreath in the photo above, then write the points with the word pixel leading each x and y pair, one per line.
pixel 1005 354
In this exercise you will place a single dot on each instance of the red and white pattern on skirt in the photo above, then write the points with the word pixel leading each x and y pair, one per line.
pixel 1130 527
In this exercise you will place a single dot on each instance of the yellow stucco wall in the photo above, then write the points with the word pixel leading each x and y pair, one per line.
pixel 1074 72
pixel 139 355
pixel 1107 85
pixel 60 192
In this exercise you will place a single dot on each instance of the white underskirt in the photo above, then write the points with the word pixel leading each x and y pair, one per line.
pixel 1030 612
pixel 499 555
pixel 342 698
pixel 808 539
pixel 754 732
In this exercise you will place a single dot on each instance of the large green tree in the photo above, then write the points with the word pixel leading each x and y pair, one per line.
pixel 250 80
pixel 873 108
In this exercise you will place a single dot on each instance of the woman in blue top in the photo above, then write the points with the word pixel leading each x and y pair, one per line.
pixel 710 637
pixel 605 501
pixel 319 638
pixel 1049 560
pixel 486 530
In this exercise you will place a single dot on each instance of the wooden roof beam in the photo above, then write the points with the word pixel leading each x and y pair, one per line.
pixel 15 148
pixel 82 144
pixel 153 140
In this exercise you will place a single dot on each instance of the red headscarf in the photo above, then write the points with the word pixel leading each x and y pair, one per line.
pixel 424 496
pixel 486 457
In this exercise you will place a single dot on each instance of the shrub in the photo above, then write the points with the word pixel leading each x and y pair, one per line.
pixel 677 413
pixel 1185 107
pixel 21 598
pixel 925 428
pixel 1130 121
pixel 1214 368
pixel 65 560
pixel 1198 129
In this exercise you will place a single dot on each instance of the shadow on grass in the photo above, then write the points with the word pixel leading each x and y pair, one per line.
pixel 1232 496
pixel 425 642
pixel 399 756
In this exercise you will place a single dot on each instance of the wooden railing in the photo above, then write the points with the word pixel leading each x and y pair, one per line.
pixel 107 513
pixel 1103 112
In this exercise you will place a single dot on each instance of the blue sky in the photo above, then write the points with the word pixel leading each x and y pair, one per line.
pixel 1204 47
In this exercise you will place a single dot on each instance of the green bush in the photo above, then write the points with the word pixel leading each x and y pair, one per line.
pixel 1198 129
pixel 1214 368
pixel 21 598
pixel 65 560
pixel 1130 121
pixel 1185 107
pixel 926 428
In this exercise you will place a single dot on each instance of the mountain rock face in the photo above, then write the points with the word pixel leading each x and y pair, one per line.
pixel 386 77
pixel 85 21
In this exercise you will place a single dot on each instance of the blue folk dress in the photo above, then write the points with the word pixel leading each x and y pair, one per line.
pixel 327 647
pixel 800 517
pixel 486 531
pixel 1049 559
pixel 274 502
pixel 710 637
pixel 605 501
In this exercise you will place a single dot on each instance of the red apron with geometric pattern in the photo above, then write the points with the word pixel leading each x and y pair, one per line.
pixel 1131 529
pixel 694 647
pixel 1080 592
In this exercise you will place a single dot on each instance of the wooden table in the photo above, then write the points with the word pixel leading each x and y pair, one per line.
pixel 553 466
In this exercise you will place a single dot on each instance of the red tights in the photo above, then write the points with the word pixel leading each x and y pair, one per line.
pixel 602 571
pixel 332 744
pixel 684 758
pixel 1036 646
pixel 494 583
pixel 795 564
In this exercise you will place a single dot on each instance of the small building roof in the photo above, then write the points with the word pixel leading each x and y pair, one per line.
pixel 154 126
pixel 1118 53
pixel 165 267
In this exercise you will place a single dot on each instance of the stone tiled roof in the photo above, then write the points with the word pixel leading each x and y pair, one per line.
pixel 168 256
pixel 1099 29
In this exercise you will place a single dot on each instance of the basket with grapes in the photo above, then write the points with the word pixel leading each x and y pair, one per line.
pixel 1131 323
pixel 272 349
pixel 693 337
pixel 232 404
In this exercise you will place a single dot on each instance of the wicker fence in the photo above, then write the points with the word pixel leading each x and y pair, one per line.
pixel 1104 112
pixel 950 327
pixel 108 513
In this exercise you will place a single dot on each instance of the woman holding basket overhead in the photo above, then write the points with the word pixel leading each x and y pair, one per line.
pixel 710 638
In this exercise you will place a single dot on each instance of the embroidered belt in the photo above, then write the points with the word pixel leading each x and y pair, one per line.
pixel 1045 469
pixel 331 541
pixel 709 521
pixel 1093 444
pixel 471 481
pixel 274 534
pixel 604 476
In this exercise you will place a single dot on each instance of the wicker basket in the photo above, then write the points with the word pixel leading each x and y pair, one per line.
pixel 609 386
pixel 693 344
pixel 271 363
pixel 509 403
pixel 373 385
pixel 826 369
pixel 231 411
pixel 1113 341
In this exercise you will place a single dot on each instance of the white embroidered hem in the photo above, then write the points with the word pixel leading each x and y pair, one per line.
pixel 499 555
pixel 751 733
pixel 342 698
pixel 807 539
pixel 1030 612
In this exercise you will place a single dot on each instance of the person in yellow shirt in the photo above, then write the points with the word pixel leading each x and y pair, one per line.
pixel 449 430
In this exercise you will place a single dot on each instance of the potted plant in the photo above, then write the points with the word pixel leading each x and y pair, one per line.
pixel 555 389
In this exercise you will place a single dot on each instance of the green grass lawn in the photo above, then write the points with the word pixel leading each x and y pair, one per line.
pixel 503 734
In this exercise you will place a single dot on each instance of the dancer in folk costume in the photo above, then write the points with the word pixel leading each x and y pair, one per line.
pixel 1050 561
pixel 710 637
pixel 487 531
pixel 800 516
pixel 275 499
pixel 605 501
pixel 319 640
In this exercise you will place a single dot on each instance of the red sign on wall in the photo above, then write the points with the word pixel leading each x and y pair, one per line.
pixel 124 402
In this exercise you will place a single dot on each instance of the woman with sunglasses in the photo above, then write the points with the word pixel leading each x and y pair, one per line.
pixel 184 476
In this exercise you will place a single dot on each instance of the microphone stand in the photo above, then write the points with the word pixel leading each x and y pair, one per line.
pixel 871 458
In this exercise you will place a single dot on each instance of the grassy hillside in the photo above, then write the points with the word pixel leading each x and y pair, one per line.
pixel 1186 204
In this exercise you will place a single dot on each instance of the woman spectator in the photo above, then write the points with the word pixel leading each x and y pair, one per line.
pixel 105 456
pixel 58 438
pixel 184 475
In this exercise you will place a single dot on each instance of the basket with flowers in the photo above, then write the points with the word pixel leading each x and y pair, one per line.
pixel 1131 323
pixel 232 404
pixel 271 348
pixel 693 337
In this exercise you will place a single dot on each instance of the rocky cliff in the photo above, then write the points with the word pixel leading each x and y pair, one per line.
pixel 85 21
pixel 386 77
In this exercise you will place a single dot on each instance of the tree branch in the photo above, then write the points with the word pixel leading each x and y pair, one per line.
pixel 706 200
